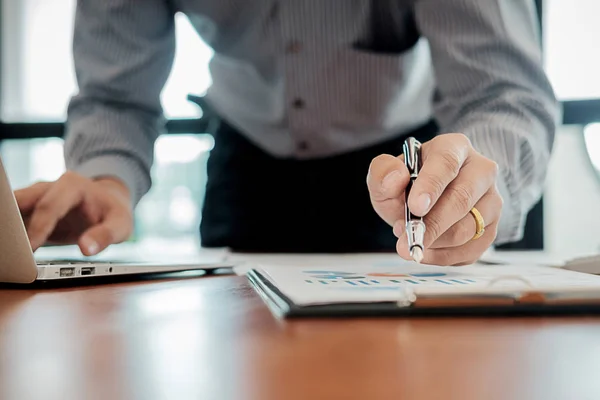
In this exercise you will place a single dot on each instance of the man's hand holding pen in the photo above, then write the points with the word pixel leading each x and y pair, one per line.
pixel 453 191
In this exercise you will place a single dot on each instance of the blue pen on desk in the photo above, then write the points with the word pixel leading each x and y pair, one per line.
pixel 415 227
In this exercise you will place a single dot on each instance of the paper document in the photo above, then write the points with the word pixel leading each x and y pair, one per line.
pixel 324 283
pixel 582 262
pixel 530 257
pixel 244 262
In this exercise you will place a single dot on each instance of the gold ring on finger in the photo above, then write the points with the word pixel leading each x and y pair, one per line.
pixel 479 223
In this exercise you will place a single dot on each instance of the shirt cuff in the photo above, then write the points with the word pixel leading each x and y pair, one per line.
pixel 511 225
pixel 522 160
pixel 128 171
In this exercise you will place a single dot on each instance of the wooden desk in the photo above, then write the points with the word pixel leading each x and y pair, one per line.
pixel 212 338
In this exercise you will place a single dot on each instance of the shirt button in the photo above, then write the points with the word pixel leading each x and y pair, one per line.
pixel 303 146
pixel 274 10
pixel 294 47
pixel 298 103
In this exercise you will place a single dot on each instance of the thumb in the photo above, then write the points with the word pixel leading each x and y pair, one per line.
pixel 114 228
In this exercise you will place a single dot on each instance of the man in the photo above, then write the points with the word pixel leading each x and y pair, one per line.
pixel 313 96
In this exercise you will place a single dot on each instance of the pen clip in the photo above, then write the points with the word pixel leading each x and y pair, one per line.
pixel 411 149
pixel 412 160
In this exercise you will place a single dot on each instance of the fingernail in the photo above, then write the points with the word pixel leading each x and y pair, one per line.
pixel 422 204
pixel 391 180
pixel 90 245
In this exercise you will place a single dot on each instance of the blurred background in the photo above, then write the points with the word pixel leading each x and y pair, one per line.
pixel 37 81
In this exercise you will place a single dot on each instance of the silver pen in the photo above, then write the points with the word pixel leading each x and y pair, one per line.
pixel 415 227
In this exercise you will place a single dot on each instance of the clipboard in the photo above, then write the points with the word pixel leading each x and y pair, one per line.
pixel 497 299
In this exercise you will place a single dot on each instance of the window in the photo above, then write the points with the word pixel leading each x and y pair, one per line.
pixel 37 72
pixel 571 34
pixel 38 79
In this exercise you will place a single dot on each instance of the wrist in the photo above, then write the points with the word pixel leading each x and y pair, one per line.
pixel 127 170
pixel 115 185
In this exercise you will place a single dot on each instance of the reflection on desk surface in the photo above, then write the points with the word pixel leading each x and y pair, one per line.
pixel 213 338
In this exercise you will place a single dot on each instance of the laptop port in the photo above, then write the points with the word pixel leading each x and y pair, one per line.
pixel 87 271
pixel 67 271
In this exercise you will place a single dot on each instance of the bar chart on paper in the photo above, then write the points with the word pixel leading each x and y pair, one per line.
pixel 366 283
pixel 385 280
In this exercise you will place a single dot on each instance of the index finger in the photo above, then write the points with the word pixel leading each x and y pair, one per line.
pixel 50 208
pixel 29 196
pixel 442 162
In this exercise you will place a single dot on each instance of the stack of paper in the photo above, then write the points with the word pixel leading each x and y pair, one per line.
pixel 311 284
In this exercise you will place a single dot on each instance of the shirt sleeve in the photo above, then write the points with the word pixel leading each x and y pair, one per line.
pixel 123 52
pixel 492 87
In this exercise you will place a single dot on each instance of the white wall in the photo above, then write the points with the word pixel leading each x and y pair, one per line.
pixel 572 197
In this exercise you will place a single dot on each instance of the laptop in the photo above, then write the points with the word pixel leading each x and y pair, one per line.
pixel 19 266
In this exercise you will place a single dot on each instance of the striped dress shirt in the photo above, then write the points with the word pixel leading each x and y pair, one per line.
pixel 316 78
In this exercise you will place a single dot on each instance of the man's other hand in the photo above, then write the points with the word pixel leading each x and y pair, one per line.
pixel 76 210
